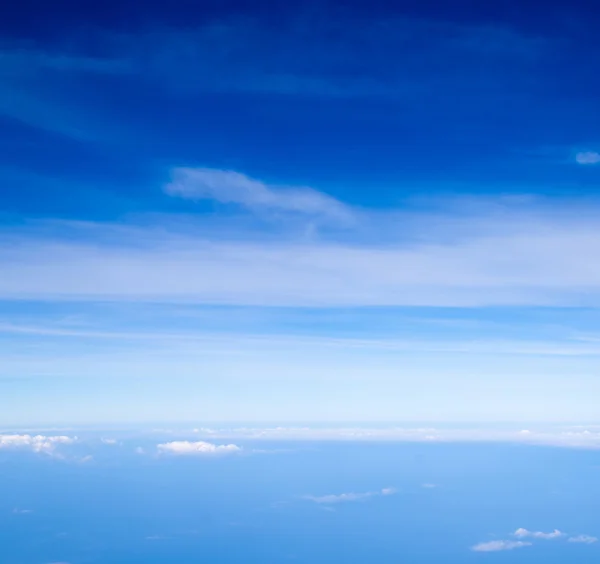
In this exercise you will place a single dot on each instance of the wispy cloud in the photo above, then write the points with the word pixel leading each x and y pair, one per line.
pixel 583 539
pixel 524 533
pixel 588 158
pixel 351 496
pixel 197 448
pixel 250 56
pixel 230 187
pixel 36 443
pixel 498 545
pixel 19 511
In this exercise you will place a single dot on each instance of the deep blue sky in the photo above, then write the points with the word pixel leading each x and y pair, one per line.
pixel 367 101
pixel 320 211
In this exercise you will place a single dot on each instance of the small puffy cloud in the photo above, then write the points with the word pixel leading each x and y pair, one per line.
pixel 351 496
pixel 497 545
pixel 524 533
pixel 230 187
pixel 196 448
pixel 36 443
pixel 588 157
pixel 584 539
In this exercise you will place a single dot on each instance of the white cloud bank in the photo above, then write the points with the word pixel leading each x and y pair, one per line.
pixel 36 443
pixel 230 187
pixel 351 496
pixel 588 157
pixel 197 448
pixel 498 545
pixel 524 533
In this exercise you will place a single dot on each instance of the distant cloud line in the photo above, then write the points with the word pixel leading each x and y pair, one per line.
pixel 521 533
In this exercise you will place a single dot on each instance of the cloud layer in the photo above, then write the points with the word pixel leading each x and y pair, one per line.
pixel 469 256
pixel 567 437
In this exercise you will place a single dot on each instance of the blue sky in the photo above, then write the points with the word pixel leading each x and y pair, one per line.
pixel 133 498
pixel 316 212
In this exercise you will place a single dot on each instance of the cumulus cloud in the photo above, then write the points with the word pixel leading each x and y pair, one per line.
pixel 36 443
pixel 584 539
pixel 232 187
pixel 344 497
pixel 524 533
pixel 497 545
pixel 588 157
pixel 196 448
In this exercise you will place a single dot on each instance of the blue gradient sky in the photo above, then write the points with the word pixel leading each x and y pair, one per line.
pixel 318 211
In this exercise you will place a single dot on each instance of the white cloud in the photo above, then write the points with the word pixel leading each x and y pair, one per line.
pixel 524 533
pixel 109 441
pixel 36 443
pixel 18 511
pixel 585 539
pixel 497 545
pixel 429 486
pixel 389 491
pixel 588 157
pixel 232 187
pixel 196 448
pixel 344 497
